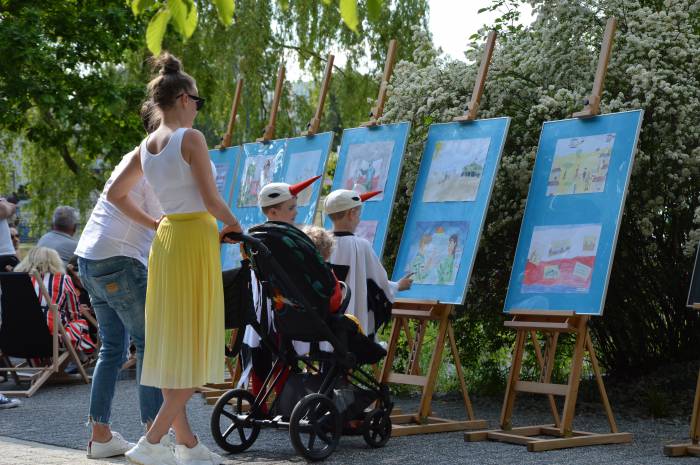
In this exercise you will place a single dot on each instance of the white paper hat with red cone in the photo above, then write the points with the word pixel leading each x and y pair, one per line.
pixel 278 192
pixel 344 199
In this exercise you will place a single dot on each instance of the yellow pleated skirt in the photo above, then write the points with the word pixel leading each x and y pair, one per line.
pixel 184 304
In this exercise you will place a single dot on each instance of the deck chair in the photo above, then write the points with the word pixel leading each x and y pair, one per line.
pixel 25 334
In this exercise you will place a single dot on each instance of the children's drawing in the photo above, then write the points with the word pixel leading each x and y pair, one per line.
pixel 367 167
pixel 561 259
pixel 580 165
pixel 455 170
pixel 436 249
pixel 367 230
pixel 257 172
pixel 303 165
pixel 221 173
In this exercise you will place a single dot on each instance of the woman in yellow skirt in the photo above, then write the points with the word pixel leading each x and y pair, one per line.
pixel 184 297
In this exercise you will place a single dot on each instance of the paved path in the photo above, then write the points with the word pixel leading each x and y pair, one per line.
pixel 18 452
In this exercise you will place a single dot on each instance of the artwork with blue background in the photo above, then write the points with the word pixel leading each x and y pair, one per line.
pixel 305 158
pixel 370 159
pixel 259 164
pixel 281 160
pixel 225 162
pixel 453 189
pixel 573 211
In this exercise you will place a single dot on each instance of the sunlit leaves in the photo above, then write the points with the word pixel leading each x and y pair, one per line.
pixel 374 9
pixel 139 6
pixel 156 30
pixel 348 11
pixel 225 8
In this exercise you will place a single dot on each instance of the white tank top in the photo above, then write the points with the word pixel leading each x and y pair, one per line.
pixel 171 177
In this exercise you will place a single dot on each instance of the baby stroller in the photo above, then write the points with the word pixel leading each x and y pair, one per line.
pixel 333 395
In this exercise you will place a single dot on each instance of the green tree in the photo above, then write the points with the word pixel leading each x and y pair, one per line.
pixel 543 72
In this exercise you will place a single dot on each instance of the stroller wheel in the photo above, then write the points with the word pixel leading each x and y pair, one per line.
pixel 315 427
pixel 231 424
pixel 377 427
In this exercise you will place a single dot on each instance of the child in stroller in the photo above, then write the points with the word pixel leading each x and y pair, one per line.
pixel 342 398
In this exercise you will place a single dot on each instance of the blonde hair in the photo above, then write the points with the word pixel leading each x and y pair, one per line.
pixel 43 260
pixel 322 239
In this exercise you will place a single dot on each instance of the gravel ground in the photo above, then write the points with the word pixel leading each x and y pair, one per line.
pixel 56 415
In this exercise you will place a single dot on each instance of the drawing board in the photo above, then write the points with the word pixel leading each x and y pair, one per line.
pixel 572 217
pixel 370 159
pixel 453 189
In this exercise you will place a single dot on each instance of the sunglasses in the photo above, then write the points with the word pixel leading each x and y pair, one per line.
pixel 199 101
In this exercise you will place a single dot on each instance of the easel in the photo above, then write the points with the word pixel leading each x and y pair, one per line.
pixel 692 447
pixel 378 110
pixel 226 141
pixel 312 127
pixel 269 133
pixel 424 312
pixel 528 323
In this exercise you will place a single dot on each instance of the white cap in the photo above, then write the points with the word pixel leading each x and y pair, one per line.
pixel 344 199
pixel 278 192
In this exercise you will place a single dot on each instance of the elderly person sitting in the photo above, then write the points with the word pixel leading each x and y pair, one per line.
pixel 48 264
pixel 60 238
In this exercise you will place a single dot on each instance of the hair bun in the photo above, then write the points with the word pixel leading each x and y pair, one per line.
pixel 167 64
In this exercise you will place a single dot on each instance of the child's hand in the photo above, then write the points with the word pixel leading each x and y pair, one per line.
pixel 406 282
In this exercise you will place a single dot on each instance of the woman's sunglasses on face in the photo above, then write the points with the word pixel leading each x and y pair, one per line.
pixel 199 101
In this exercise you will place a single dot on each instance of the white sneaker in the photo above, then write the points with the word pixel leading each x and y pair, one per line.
pixel 115 446
pixel 198 455
pixel 145 453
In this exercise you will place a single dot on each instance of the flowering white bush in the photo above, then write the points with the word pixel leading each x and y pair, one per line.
pixel 544 72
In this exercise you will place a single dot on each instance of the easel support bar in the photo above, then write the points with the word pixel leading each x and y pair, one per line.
pixel 312 127
pixel 378 110
pixel 226 142
pixel 269 133
pixel 592 105
pixel 473 105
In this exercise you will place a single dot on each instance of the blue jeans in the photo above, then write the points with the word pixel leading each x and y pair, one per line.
pixel 117 288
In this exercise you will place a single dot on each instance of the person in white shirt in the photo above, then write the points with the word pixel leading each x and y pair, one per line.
pixel 371 291
pixel 112 258
pixel 8 256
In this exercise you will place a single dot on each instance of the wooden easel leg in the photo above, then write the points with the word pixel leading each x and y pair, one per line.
pixel 566 427
pixel 415 348
pixel 391 352
pixel 435 361
pixel 601 385
pixel 513 377
pixel 460 373
pixel 547 366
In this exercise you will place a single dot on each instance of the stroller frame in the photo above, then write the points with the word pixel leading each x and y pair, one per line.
pixel 315 425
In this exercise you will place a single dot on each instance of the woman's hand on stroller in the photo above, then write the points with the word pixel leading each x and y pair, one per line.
pixel 228 231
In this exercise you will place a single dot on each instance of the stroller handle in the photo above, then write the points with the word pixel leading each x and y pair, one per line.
pixel 251 241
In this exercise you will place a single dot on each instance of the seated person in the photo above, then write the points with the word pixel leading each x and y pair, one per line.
pixel 60 287
pixel 63 228
pixel 371 291
pixel 348 326
pixel 278 202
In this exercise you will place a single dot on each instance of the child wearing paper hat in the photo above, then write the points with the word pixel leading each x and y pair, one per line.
pixel 372 292
pixel 278 200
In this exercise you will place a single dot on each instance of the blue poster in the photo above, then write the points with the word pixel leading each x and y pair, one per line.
pixel 572 217
pixel 305 158
pixel 442 231
pixel 370 159
pixel 226 161
pixel 259 164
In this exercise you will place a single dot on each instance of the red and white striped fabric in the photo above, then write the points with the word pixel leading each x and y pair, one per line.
pixel 64 295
